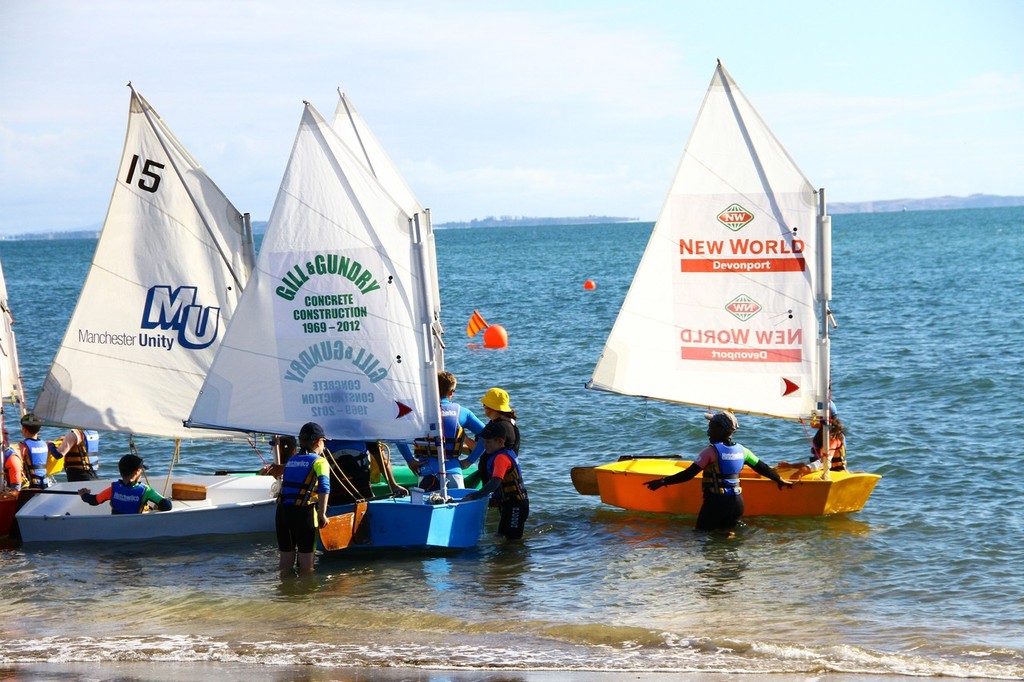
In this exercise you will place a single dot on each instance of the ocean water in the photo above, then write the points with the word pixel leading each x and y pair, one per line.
pixel 926 581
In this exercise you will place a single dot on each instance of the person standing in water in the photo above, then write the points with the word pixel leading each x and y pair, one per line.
pixel 302 502
pixel 721 463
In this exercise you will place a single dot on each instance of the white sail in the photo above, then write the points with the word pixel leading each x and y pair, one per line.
pixel 334 326
pixel 10 370
pixel 721 312
pixel 359 138
pixel 169 267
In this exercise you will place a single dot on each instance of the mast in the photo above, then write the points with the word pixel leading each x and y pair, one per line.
pixel 824 295
pixel 433 354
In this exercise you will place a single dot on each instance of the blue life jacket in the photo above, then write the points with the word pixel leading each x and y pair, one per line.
pixel 298 482
pixel 512 486
pixel 127 499
pixel 722 477
pixel 35 466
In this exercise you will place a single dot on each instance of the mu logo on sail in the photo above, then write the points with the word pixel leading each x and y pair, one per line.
pixel 176 310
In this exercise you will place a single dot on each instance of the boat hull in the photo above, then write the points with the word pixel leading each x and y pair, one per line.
pixel 412 523
pixel 8 505
pixel 233 505
pixel 621 484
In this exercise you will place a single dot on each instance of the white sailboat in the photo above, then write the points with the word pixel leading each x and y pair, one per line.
pixel 13 394
pixel 728 310
pixel 10 369
pixel 172 260
pixel 340 324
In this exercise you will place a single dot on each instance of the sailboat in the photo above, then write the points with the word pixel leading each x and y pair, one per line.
pixel 729 310
pixel 170 265
pixel 340 325
pixel 357 135
pixel 13 394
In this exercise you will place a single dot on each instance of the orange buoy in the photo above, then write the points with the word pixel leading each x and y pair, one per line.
pixel 495 336
pixel 589 285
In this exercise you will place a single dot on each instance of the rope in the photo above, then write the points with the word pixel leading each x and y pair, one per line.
pixel 252 444
pixel 347 484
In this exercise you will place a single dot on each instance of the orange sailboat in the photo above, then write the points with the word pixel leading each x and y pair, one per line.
pixel 729 310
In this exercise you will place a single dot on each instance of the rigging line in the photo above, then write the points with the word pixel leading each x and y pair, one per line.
pixel 727 85
pixel 339 171
pixel 347 484
pixel 355 129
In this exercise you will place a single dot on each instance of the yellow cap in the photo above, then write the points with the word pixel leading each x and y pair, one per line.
pixel 497 399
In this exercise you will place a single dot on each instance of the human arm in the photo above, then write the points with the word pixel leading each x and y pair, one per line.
pixel 13 466
pixel 502 463
pixel 67 441
pixel 323 489
pixel 680 477
pixel 473 424
pixel 95 500
pixel 407 455
pixel 384 464
pixel 485 491
pixel 161 502
pixel 478 451
pixel 762 468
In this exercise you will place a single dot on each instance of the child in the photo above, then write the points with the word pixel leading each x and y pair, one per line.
pixel 128 496
pixel 499 466
pixel 836 451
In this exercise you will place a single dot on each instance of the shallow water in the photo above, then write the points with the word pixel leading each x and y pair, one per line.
pixel 925 581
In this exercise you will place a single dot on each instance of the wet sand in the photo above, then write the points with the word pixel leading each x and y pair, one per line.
pixel 175 671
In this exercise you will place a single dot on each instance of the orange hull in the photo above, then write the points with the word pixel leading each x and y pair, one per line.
pixel 621 484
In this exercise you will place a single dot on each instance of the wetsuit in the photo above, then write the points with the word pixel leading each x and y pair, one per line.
pixel 456 420
pixel 128 498
pixel 511 496
pixel 304 479
pixel 722 505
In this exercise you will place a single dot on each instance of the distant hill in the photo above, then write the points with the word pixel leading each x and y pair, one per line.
pixel 932 204
pixel 836 208
pixel 526 221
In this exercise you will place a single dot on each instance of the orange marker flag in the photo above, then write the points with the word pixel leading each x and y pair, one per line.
pixel 476 323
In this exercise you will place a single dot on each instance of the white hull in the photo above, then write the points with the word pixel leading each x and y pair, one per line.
pixel 233 505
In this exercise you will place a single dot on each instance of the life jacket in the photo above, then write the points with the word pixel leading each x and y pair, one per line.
pixel 722 476
pixel 512 489
pixel 298 482
pixel 127 499
pixel 85 455
pixel 454 435
pixel 836 446
pixel 35 463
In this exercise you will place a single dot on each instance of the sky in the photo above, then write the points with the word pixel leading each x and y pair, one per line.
pixel 510 108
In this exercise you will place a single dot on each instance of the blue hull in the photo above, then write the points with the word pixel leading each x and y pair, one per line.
pixel 403 523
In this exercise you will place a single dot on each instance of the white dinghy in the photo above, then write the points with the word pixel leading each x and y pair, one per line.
pixel 172 260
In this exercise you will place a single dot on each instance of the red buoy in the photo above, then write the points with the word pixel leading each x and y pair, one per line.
pixel 589 285
pixel 495 336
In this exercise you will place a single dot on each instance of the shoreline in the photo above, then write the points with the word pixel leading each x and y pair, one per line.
pixel 188 671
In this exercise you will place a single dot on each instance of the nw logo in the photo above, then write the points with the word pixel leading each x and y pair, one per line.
pixel 177 310
pixel 735 217
pixel 743 307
